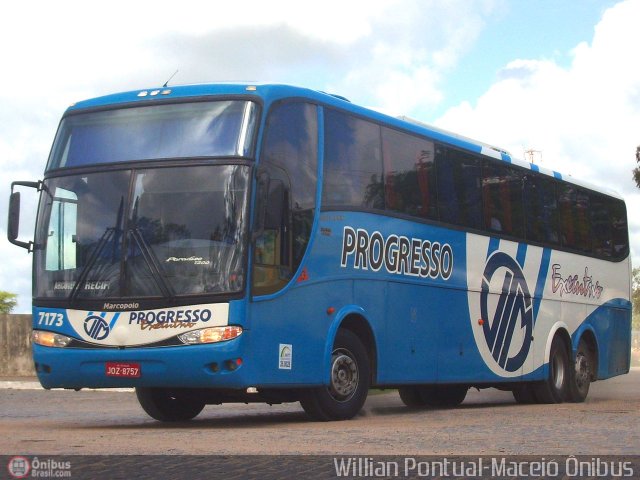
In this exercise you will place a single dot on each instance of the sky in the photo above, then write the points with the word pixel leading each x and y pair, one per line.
pixel 558 78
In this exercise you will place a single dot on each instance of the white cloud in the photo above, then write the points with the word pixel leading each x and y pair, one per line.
pixel 583 118
pixel 412 47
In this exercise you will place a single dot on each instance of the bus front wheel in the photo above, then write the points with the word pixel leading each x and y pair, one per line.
pixel 348 384
pixel 411 397
pixel 168 405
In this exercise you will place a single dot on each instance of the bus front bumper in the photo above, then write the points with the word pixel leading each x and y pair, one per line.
pixel 191 366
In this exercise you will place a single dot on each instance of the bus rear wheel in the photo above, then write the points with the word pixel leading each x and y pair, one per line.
pixel 348 384
pixel 555 388
pixel 168 405
pixel 580 375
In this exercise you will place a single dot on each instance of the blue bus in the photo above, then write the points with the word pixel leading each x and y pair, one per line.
pixel 265 243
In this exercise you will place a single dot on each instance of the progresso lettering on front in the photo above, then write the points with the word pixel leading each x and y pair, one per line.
pixel 165 317
pixel 397 254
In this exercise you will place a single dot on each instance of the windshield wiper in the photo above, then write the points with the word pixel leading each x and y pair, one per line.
pixel 152 262
pixel 109 233
pixel 106 236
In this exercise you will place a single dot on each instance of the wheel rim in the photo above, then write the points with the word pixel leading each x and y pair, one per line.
pixel 582 370
pixel 344 375
pixel 558 372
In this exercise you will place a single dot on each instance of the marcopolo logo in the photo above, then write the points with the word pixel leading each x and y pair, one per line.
pixel 508 324
pixel 96 326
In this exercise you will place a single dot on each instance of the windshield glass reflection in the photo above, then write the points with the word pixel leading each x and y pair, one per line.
pixel 182 232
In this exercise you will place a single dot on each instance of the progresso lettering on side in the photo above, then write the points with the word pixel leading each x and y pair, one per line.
pixel 397 254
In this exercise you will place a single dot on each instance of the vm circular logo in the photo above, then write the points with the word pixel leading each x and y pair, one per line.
pixel 508 316
pixel 96 327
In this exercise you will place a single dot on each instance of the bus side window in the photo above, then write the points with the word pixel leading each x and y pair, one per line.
pixel 541 209
pixel 601 235
pixel 459 192
pixel 502 199
pixel 288 187
pixel 619 230
pixel 352 162
pixel 574 218
pixel 409 174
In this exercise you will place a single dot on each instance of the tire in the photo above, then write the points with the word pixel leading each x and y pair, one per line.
pixel 581 373
pixel 168 405
pixel 349 382
pixel 555 389
pixel 411 397
pixel 443 395
pixel 524 394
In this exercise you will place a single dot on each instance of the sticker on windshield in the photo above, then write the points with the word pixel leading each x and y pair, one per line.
pixel 194 260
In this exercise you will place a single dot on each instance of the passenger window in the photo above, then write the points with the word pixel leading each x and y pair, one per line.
pixel 601 235
pixel 352 162
pixel 574 218
pixel 541 209
pixel 459 193
pixel 409 174
pixel 502 199
pixel 619 231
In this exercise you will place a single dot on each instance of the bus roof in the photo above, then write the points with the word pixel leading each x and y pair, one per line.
pixel 273 92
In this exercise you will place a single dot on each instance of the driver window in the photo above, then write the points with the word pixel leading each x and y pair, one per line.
pixel 61 235
pixel 286 195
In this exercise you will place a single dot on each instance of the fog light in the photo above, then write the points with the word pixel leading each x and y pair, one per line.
pixel 233 364
pixel 210 335
pixel 49 339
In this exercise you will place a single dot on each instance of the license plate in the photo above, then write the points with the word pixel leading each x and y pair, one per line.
pixel 119 369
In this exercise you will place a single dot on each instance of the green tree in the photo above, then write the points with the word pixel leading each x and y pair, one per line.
pixel 636 171
pixel 8 301
pixel 635 297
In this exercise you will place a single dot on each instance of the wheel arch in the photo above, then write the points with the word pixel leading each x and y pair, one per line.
pixel 354 319
pixel 587 333
pixel 561 329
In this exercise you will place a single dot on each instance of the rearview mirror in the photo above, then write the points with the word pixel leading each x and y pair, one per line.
pixel 13 222
pixel 14 216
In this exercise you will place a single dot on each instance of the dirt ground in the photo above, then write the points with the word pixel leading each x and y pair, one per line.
pixel 34 421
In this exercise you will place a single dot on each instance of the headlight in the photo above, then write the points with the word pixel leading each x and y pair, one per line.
pixel 210 335
pixel 49 339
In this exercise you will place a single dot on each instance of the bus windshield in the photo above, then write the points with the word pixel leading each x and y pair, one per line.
pixel 181 130
pixel 153 232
